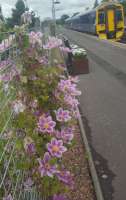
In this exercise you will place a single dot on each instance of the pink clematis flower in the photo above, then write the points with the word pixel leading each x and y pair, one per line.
pixel 18 107
pixel 2 48
pixel 35 38
pixel 65 177
pixel 46 124
pixel 65 134
pixel 74 79
pixel 29 145
pixel 68 87
pixel 28 184
pixel 75 113
pixel 5 63
pixel 63 115
pixel 66 49
pixel 71 101
pixel 56 148
pixel 59 197
pixel 53 43
pixel 45 168
pixel 8 197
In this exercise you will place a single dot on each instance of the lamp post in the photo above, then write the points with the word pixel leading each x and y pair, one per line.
pixel 54 2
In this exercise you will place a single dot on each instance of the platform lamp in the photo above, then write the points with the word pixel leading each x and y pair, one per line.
pixel 54 2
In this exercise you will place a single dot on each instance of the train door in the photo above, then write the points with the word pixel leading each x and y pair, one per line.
pixel 111 20
pixel 111 25
pixel 101 24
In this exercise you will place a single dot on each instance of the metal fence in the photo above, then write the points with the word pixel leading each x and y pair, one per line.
pixel 11 178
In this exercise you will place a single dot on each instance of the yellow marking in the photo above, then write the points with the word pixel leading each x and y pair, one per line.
pixel 111 23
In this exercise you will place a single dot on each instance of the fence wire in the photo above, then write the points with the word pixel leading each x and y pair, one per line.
pixel 11 178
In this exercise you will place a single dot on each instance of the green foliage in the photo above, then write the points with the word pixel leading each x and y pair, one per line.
pixel 62 19
pixel 96 3
pixel 1 14
pixel 124 6
pixel 37 83
pixel 16 14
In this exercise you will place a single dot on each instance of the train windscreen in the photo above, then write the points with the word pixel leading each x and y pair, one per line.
pixel 119 16
pixel 101 18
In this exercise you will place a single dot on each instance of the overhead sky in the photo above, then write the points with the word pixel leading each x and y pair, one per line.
pixel 43 7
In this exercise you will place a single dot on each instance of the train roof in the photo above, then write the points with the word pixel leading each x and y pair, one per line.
pixel 93 10
pixel 80 14
pixel 108 4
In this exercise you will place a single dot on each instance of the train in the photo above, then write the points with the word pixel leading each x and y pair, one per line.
pixel 106 21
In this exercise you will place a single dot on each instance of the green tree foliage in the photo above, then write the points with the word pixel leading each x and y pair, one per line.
pixel 16 14
pixel 104 1
pixel 123 2
pixel 18 11
pixel 96 3
pixel 1 14
pixel 124 6
pixel 62 19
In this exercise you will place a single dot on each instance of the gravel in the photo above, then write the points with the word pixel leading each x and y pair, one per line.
pixel 76 161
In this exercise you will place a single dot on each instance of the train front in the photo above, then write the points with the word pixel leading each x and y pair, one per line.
pixel 110 21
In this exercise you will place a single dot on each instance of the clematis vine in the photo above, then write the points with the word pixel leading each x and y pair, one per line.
pixel 60 197
pixel 74 79
pixel 26 17
pixel 34 103
pixel 68 87
pixel 63 115
pixel 46 124
pixel 43 60
pixel 66 49
pixel 53 43
pixel 45 168
pixel 5 63
pixel 18 107
pixel 8 197
pixel 29 145
pixel 35 38
pixel 9 76
pixel 65 134
pixel 71 101
pixel 56 148
pixel 28 183
pixel 65 177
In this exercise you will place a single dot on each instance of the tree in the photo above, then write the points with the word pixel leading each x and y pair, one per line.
pixel 16 14
pixel 95 3
pixel 63 18
pixel 105 1
pixel 124 5
pixel 1 14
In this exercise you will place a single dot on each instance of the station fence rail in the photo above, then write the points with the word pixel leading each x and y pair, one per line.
pixel 11 179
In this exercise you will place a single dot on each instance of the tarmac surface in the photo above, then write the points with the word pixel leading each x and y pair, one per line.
pixel 103 107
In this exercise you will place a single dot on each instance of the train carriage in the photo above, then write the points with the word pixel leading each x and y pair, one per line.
pixel 107 21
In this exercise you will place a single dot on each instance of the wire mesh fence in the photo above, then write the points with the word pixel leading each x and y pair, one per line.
pixel 12 179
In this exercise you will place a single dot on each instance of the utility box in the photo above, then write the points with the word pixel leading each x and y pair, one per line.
pixel 77 60
pixel 80 66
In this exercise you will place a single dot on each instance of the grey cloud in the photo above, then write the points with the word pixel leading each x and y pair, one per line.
pixel 43 7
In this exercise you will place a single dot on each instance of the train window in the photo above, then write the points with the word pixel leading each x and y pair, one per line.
pixel 101 18
pixel 92 18
pixel 119 15
pixel 84 19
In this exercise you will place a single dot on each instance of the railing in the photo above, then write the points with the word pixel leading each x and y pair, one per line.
pixel 12 179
